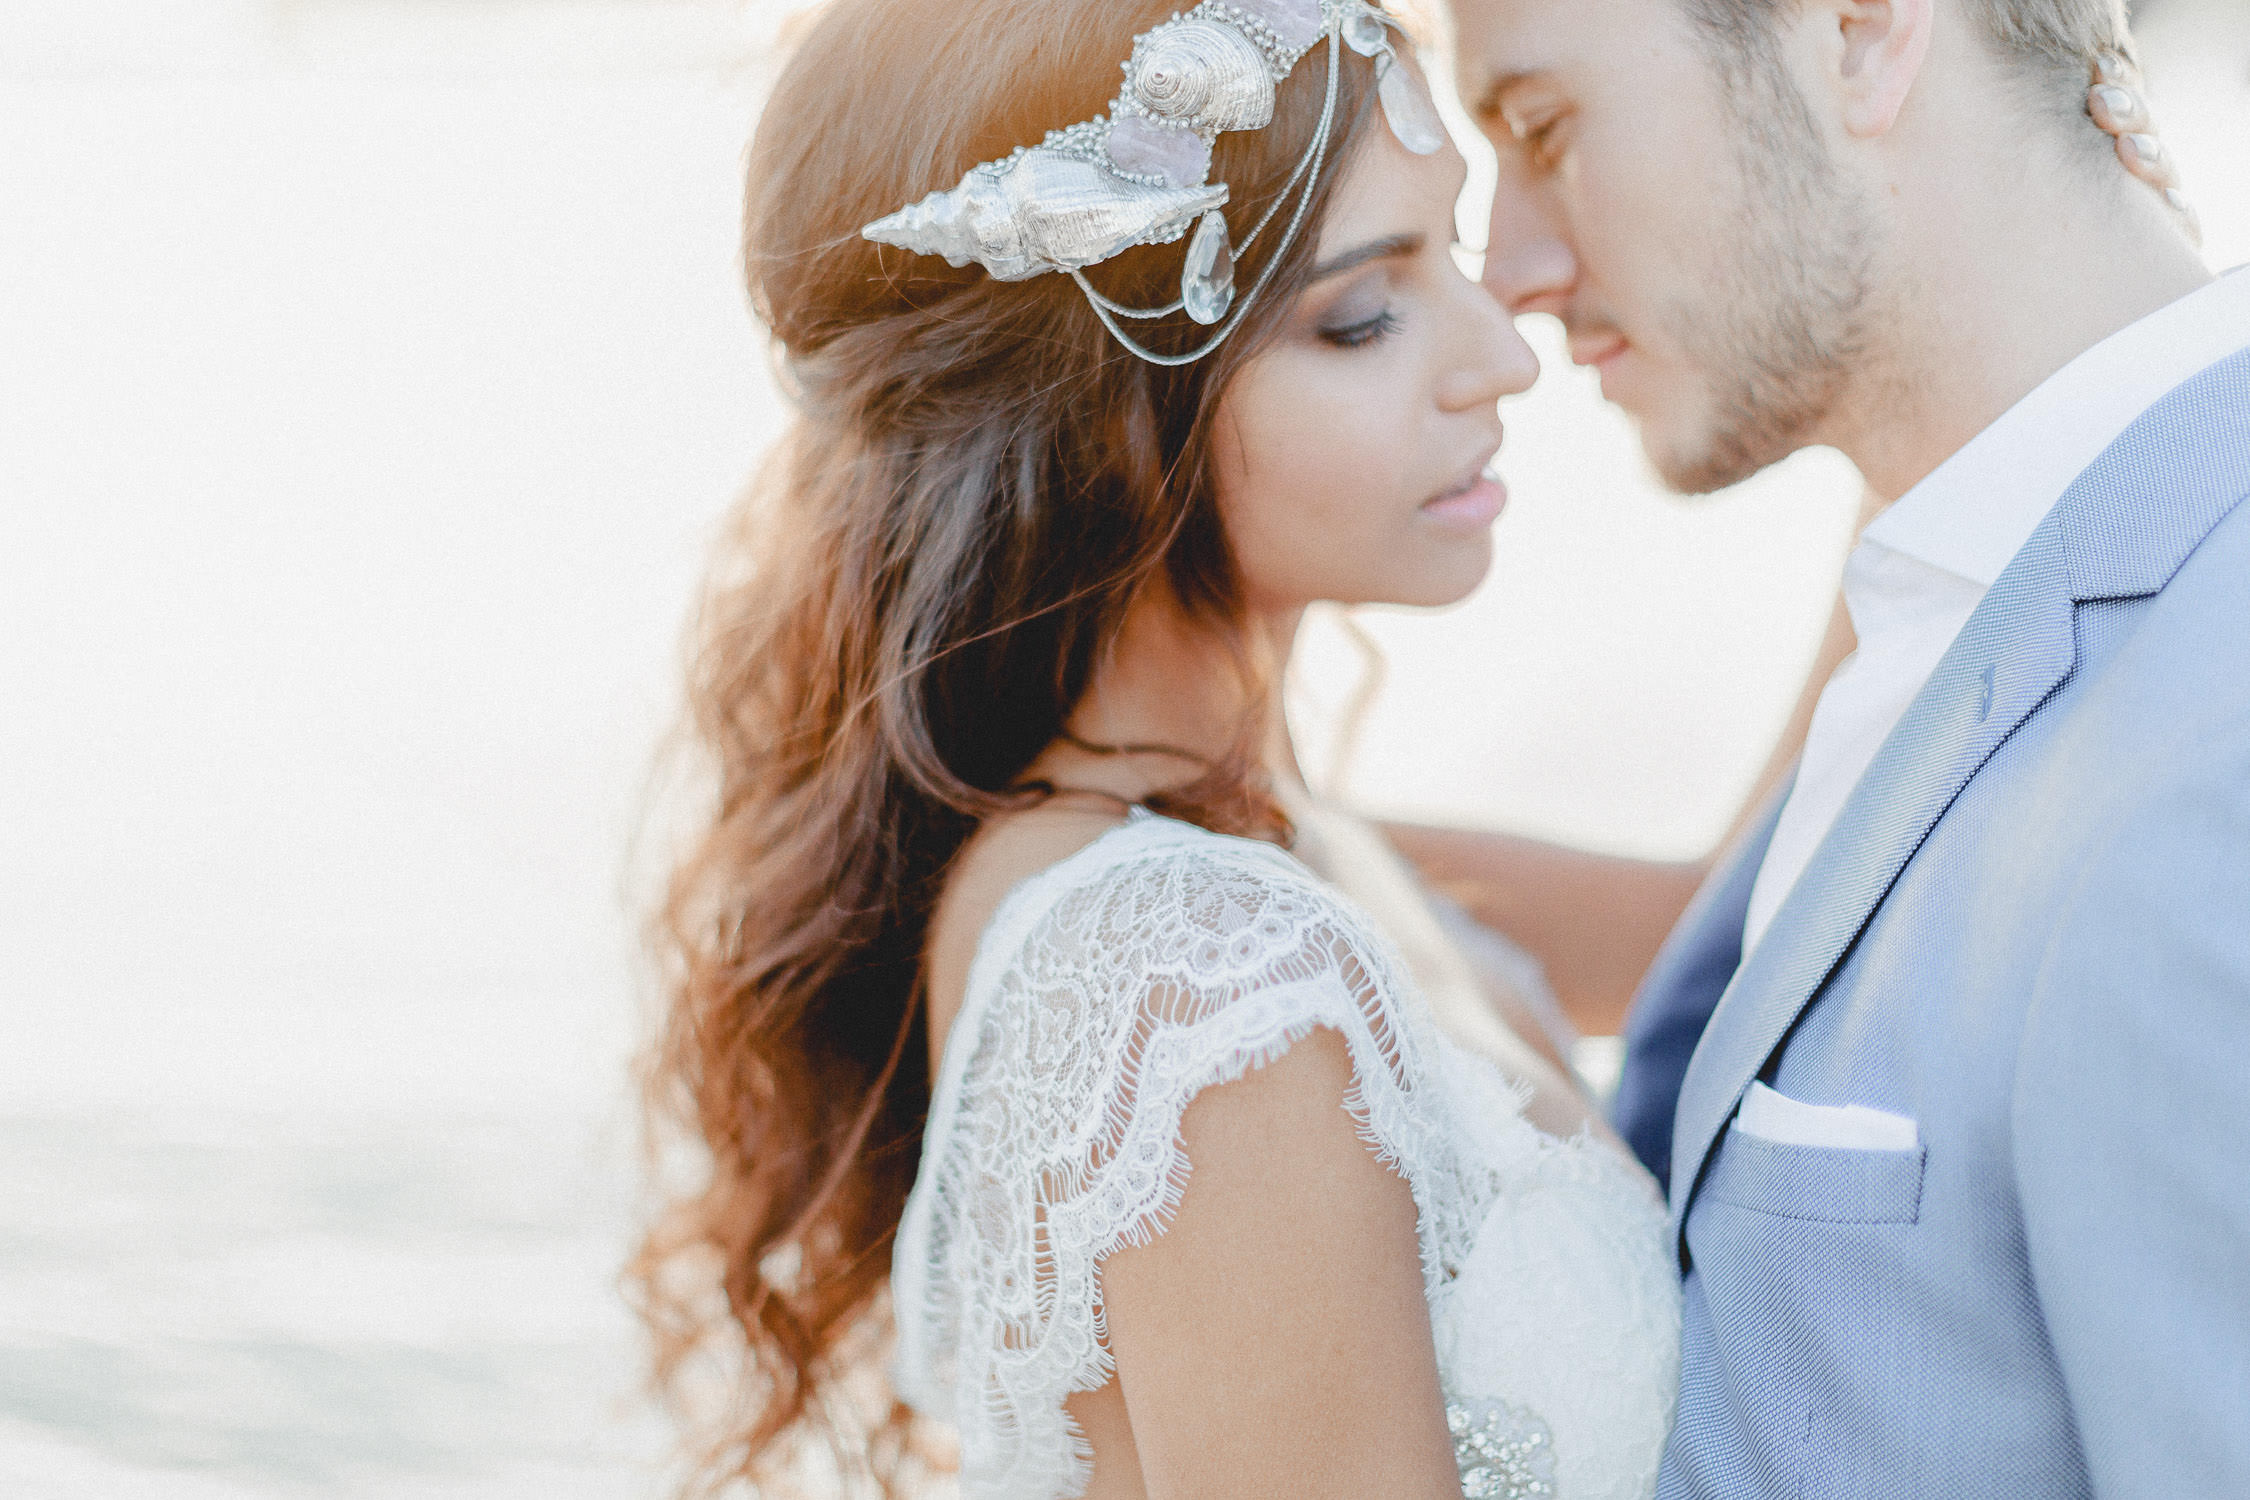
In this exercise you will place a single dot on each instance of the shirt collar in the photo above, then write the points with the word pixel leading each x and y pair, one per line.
pixel 1974 512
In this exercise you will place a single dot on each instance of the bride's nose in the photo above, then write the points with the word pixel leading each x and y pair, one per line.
pixel 1491 358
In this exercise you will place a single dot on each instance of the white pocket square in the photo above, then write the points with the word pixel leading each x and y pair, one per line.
pixel 1784 1121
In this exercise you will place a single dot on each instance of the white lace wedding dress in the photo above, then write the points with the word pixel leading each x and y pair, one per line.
pixel 1158 961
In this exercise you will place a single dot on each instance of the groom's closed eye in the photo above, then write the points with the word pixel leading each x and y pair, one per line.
pixel 1516 108
pixel 1542 143
pixel 1537 127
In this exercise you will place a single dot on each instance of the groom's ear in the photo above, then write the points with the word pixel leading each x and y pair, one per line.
pixel 1878 48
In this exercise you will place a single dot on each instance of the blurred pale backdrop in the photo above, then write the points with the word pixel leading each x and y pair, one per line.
pixel 372 373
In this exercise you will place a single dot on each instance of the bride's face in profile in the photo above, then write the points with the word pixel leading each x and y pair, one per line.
pixel 1352 452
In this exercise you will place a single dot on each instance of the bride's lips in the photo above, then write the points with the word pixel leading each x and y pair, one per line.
pixel 1476 500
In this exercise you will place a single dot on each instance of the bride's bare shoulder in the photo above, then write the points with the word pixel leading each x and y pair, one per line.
pixel 1001 855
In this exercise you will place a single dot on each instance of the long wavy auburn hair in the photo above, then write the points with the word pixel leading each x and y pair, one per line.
pixel 976 484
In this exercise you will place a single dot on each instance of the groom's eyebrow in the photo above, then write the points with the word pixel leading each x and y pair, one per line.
pixel 1382 249
pixel 1497 88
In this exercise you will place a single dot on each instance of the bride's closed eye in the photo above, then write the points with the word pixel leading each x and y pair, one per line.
pixel 1365 331
pixel 1366 309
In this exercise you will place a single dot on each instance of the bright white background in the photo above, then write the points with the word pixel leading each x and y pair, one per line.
pixel 372 373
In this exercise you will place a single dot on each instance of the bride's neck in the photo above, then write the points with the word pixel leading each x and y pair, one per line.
pixel 1172 680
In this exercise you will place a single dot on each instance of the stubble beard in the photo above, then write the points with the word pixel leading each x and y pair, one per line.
pixel 1782 333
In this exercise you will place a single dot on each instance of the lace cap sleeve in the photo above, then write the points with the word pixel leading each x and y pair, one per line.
pixel 1109 993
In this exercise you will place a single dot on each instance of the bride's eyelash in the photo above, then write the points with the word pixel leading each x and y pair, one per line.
pixel 1352 336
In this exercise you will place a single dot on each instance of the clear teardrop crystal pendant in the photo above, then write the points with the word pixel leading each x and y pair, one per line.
pixel 1207 281
pixel 1365 33
pixel 1407 106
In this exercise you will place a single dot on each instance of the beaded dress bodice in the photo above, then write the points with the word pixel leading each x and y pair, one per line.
pixel 1160 960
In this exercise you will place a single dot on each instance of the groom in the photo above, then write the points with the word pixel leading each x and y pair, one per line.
pixel 1960 1170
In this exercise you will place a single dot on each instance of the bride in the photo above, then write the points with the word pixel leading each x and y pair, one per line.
pixel 1048 1041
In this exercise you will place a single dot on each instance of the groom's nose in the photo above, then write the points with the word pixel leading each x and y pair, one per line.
pixel 1528 263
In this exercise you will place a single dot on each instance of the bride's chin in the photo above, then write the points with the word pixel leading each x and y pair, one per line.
pixel 1451 577
pixel 1431 579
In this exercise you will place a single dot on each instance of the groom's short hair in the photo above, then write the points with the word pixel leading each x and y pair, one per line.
pixel 2051 40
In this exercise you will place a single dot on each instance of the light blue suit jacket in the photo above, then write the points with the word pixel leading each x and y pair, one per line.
pixel 2030 932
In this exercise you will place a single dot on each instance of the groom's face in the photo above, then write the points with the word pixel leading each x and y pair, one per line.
pixel 1679 215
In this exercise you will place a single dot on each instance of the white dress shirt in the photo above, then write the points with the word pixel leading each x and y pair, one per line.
pixel 1922 566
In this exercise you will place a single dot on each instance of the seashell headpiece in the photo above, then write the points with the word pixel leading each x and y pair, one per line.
pixel 1140 175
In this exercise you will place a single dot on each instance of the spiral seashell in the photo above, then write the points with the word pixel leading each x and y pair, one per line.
pixel 1043 210
pixel 1203 74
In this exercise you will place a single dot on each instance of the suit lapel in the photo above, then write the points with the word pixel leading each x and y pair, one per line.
pixel 2121 531
pixel 2013 652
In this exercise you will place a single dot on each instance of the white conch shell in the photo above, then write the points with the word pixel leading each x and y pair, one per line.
pixel 1205 74
pixel 1043 210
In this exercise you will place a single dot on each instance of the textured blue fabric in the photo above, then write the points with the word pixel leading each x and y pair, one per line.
pixel 2030 931
pixel 1680 991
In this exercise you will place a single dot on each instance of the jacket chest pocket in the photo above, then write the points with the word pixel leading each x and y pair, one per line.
pixel 1822 1184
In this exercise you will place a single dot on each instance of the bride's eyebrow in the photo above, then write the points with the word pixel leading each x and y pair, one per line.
pixel 1383 249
